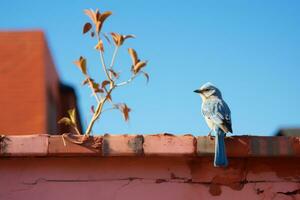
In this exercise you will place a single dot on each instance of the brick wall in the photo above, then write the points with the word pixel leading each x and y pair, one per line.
pixel 31 99
pixel 136 167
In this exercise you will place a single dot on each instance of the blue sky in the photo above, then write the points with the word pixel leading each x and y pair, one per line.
pixel 249 49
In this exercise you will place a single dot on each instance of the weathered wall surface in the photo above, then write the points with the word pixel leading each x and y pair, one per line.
pixel 145 178
pixel 146 167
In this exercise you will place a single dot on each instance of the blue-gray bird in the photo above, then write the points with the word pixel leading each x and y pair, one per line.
pixel 218 118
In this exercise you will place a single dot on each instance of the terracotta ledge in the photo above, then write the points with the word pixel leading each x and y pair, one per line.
pixel 149 145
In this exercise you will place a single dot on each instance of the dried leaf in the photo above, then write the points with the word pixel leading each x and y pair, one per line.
pixel 113 73
pixel 65 120
pixel 100 18
pixel 104 83
pixel 92 34
pixel 128 36
pixel 117 38
pixel 98 26
pixel 108 96
pixel 100 46
pixel 106 37
pixel 98 14
pixel 146 75
pixel 125 37
pixel 81 64
pixel 87 26
pixel 91 14
pixel 99 90
pixel 104 16
pixel 139 66
pixel 133 56
pixel 85 81
pixel 92 109
pixel 96 88
pixel 125 110
pixel 72 115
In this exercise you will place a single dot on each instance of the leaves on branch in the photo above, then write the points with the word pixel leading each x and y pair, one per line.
pixel 114 74
pixel 133 56
pixel 97 18
pixel 108 96
pixel 139 66
pixel 104 83
pixel 106 37
pixel 116 38
pixel 146 75
pixel 106 87
pixel 91 14
pixel 119 39
pixel 125 110
pixel 96 88
pixel 71 120
pixel 86 81
pixel 81 64
pixel 92 109
pixel 92 34
pixel 65 121
pixel 102 17
pixel 98 27
pixel 72 115
pixel 100 46
pixel 87 26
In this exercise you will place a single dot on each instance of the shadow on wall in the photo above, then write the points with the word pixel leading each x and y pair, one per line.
pixel 288 132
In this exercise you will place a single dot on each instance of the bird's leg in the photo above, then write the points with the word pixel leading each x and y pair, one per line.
pixel 209 134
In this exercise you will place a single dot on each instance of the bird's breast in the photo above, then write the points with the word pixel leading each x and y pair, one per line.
pixel 209 123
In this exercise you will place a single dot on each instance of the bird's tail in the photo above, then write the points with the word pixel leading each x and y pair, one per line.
pixel 220 151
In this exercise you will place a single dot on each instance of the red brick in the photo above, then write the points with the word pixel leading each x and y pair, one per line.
pixel 169 145
pixel 122 145
pixel 25 146
pixel 60 147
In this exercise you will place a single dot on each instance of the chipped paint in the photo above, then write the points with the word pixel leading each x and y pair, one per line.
pixel 259 168
pixel 147 178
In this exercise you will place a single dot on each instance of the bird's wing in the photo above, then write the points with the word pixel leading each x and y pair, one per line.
pixel 219 113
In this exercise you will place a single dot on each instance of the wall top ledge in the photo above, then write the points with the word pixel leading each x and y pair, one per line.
pixel 164 144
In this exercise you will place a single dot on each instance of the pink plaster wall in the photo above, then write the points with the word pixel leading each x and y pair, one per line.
pixel 143 178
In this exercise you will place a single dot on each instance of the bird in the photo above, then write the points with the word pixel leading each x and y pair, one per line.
pixel 218 118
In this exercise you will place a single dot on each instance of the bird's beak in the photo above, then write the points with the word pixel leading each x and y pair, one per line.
pixel 197 91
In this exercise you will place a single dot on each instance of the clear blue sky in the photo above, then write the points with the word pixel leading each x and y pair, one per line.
pixel 249 49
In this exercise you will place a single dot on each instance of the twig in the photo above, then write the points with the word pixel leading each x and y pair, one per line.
pixel 97 113
pixel 108 109
pixel 104 66
pixel 127 82
pixel 77 131
pixel 103 62
pixel 92 88
pixel 114 57
pixel 67 137
pixel 63 139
